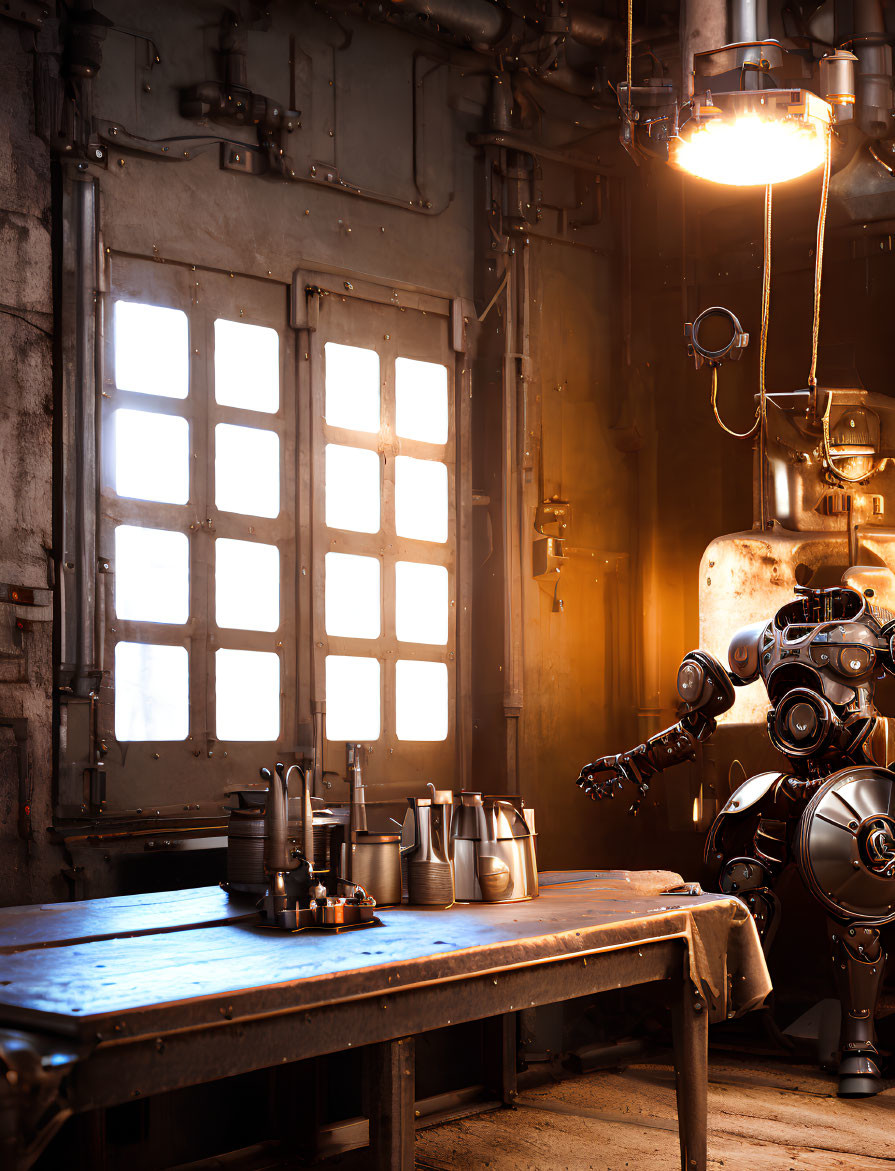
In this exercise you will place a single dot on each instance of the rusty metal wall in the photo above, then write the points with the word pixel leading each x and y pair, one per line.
pixel 29 866
pixel 607 414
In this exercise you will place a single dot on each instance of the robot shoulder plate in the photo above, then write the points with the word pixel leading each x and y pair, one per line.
pixel 751 792
pixel 744 655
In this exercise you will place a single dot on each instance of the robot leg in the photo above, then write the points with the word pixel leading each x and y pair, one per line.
pixel 750 880
pixel 858 963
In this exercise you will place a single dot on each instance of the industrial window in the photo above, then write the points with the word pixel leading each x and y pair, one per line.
pixel 279 531
pixel 385 456
pixel 365 492
pixel 198 529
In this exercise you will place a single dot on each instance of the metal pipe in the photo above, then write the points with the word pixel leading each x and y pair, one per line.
pixel 307 813
pixel 478 21
pixel 749 22
pixel 874 69
pixel 317 785
pixel 512 696
pixel 85 196
pixel 276 816
pixel 358 811
pixel 597 32
pixel 703 26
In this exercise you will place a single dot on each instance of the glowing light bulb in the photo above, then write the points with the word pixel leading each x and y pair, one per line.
pixel 752 151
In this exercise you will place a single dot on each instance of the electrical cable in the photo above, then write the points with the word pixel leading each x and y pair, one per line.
pixel 736 434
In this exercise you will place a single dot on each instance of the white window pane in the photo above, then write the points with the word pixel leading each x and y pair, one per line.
pixel 352 387
pixel 351 597
pixel 421 499
pixel 152 686
pixel 152 574
pixel 352 489
pixel 352 698
pixel 421 400
pixel 421 700
pixel 152 457
pixel 247 585
pixel 152 349
pixel 421 603
pixel 247 695
pixel 246 366
pixel 246 470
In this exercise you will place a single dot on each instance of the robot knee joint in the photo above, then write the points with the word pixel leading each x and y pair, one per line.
pixel 749 880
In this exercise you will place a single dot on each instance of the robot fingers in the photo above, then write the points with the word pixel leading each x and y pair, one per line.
pixel 598 786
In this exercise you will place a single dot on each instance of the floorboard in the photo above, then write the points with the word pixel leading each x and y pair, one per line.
pixel 764 1115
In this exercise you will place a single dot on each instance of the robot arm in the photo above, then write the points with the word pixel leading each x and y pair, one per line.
pixel 706 690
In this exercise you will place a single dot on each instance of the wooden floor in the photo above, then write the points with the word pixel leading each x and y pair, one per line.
pixel 764 1115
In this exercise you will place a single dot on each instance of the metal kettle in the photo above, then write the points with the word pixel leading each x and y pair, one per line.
pixel 493 848
pixel 430 872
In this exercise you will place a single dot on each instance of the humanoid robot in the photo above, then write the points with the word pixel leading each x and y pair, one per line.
pixel 833 813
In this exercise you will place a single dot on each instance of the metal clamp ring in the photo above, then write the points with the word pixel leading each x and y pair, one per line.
pixel 732 349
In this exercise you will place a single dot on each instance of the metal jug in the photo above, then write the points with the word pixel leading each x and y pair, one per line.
pixel 493 848
pixel 430 872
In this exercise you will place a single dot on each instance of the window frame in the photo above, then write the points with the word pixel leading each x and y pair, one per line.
pixel 377 315
pixel 196 773
pixel 186 782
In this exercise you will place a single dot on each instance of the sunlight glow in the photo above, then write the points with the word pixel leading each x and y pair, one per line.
pixel 352 698
pixel 247 694
pixel 151 692
pixel 421 700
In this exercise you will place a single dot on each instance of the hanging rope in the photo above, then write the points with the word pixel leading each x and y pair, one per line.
pixel 736 434
pixel 629 62
pixel 815 329
pixel 819 254
pixel 763 351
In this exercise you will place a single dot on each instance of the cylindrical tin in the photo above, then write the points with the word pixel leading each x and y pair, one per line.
pixel 374 863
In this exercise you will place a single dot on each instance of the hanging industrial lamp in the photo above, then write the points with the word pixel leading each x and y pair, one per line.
pixel 750 138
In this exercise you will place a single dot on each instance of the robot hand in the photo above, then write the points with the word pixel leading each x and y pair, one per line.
pixel 616 770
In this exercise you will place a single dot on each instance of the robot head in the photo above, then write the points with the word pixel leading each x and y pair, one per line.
pixel 814 606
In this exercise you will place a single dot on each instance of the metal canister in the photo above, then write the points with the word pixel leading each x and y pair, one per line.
pixel 374 862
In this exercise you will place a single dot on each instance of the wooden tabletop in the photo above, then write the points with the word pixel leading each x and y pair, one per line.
pixel 75 968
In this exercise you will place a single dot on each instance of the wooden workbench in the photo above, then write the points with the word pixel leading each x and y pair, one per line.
pixel 106 1001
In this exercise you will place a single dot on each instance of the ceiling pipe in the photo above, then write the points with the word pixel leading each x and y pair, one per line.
pixel 478 21
pixel 597 32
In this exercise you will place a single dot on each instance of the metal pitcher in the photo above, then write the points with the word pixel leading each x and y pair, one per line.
pixel 430 872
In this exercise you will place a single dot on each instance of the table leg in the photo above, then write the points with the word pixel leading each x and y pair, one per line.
pixel 500 1057
pixel 391 1069
pixel 690 1030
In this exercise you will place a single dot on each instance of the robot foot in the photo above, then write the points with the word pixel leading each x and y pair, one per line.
pixel 859 1075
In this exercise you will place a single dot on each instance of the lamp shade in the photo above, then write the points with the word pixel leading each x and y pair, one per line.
pixel 753 138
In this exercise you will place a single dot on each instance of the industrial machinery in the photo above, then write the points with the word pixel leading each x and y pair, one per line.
pixel 832 812
pixel 295 898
